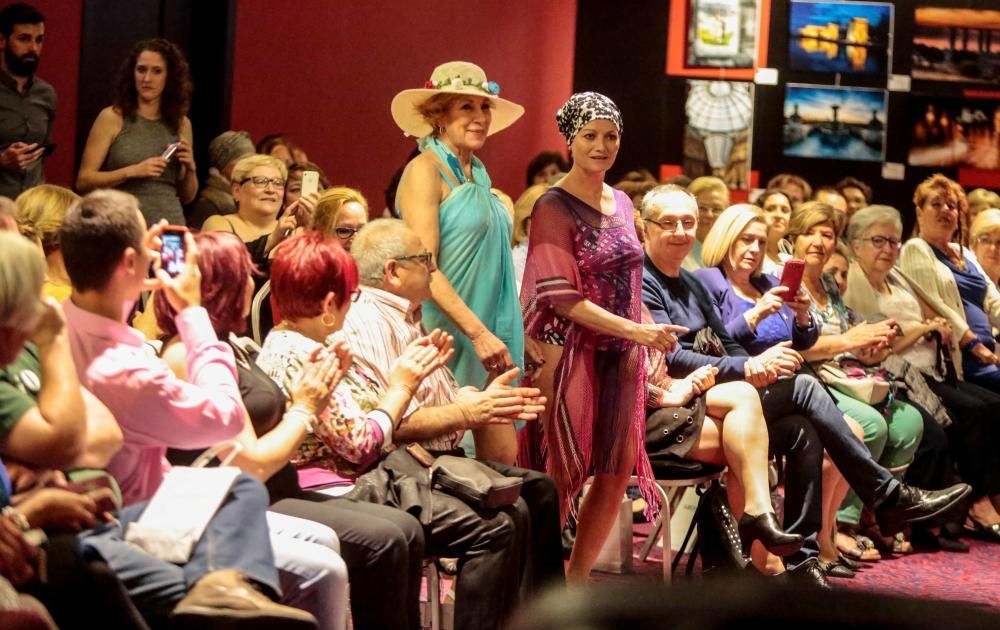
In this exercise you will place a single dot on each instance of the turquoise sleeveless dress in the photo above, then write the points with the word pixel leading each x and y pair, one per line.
pixel 474 254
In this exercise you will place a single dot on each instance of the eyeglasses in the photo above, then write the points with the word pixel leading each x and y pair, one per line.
pixel 670 225
pixel 426 258
pixel 345 233
pixel 355 295
pixel 262 182
pixel 879 242
pixel 986 241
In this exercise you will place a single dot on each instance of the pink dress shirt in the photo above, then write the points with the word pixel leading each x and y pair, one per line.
pixel 154 408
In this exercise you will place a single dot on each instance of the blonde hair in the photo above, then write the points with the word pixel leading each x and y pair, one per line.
pixel 727 228
pixel 331 201
pixel 505 199
pixel 985 222
pixel 983 197
pixel 708 183
pixel 39 212
pixel 22 271
pixel 249 163
pixel 523 208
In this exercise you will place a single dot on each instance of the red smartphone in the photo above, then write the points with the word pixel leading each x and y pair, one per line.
pixel 791 277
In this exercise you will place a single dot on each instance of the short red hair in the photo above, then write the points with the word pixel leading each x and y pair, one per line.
pixel 225 266
pixel 305 269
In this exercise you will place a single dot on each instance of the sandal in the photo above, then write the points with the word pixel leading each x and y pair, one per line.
pixel 857 547
pixel 900 545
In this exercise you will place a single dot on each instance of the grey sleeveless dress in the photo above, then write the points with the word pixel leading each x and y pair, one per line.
pixel 139 139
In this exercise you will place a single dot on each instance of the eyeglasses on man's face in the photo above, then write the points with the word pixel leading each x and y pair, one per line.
pixel 426 258
pixel 670 225
pixel 262 182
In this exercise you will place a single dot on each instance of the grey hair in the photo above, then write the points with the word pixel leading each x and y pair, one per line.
pixel 866 218
pixel 378 242
pixel 647 204
pixel 22 271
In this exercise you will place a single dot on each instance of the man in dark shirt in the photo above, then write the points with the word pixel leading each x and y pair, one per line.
pixel 27 103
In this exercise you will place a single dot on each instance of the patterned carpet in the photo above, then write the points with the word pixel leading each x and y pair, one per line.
pixel 973 577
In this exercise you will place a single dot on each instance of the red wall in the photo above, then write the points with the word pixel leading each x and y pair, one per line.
pixel 325 73
pixel 60 66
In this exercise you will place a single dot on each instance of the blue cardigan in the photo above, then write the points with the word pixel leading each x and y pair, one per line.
pixel 773 329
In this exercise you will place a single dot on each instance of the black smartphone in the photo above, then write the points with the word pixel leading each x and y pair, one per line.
pixel 172 250
pixel 48 149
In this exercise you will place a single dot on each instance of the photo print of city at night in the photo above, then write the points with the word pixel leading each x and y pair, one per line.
pixel 955 132
pixel 834 123
pixel 722 33
pixel 844 37
pixel 957 45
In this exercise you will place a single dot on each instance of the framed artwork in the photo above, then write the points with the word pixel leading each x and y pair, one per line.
pixel 717 39
pixel 963 132
pixel 957 45
pixel 834 123
pixel 718 130
pixel 841 37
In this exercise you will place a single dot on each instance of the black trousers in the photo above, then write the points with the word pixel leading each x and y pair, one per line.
pixel 974 437
pixel 383 548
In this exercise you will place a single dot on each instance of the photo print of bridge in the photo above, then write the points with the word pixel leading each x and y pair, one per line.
pixel 834 122
pixel 957 45
pixel 842 37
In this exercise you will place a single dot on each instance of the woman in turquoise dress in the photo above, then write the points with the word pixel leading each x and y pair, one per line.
pixel 445 196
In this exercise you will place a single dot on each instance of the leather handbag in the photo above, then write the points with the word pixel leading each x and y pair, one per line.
pixel 868 385
pixel 473 482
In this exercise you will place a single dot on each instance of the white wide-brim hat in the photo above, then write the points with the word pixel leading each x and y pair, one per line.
pixel 454 77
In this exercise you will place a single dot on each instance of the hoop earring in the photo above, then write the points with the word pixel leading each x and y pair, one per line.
pixel 328 324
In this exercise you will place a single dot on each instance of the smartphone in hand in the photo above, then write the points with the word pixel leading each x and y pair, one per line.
pixel 170 150
pixel 310 183
pixel 791 277
pixel 172 252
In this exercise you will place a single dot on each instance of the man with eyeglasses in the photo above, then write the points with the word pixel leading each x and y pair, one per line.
pixel 27 103
pixel 395 273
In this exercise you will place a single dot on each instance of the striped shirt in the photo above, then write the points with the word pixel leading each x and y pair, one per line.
pixel 378 327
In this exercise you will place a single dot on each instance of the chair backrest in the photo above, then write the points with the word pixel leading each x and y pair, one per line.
pixel 261 320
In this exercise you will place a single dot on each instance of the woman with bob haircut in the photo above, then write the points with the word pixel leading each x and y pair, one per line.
pixel 271 438
pixel 340 212
pixel 444 195
pixel 39 212
pixel 985 238
pixel 523 208
pixel 954 282
pixel 966 412
pixel 129 139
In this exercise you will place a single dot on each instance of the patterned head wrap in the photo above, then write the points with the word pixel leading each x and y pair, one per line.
pixel 583 107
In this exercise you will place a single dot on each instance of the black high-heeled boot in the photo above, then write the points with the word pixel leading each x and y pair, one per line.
pixel 765 528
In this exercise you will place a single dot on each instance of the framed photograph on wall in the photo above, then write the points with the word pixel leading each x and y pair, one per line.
pixel 962 132
pixel 840 37
pixel 718 130
pixel 717 39
pixel 834 123
pixel 952 44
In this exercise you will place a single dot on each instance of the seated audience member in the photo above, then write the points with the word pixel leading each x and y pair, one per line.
pixel 39 212
pixel 216 196
pixel 107 251
pixel 893 432
pixel 523 208
pixel 749 306
pixel 382 547
pixel 712 196
pixel 340 212
pixel 279 146
pixel 544 168
pixel 7 221
pixel 314 283
pixel 967 412
pixel 795 188
pixel 395 273
pixel 954 282
pixel 778 212
pixel 221 579
pixel 832 197
pixel 982 199
pixel 984 236
pixel 857 194
pixel 293 192
pixel 681 180
pixel 838 265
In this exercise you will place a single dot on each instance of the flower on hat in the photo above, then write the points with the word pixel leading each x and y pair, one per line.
pixel 429 85
pixel 457 83
pixel 492 87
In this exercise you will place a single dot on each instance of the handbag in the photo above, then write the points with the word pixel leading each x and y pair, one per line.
pixel 871 386
pixel 473 482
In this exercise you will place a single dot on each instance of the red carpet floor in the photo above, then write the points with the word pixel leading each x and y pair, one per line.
pixel 973 577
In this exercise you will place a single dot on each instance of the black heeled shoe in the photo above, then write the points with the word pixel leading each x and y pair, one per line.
pixel 765 529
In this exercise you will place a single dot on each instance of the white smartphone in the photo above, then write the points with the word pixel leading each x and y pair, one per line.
pixel 310 182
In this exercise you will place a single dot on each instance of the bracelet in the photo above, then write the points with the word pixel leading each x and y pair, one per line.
pixel 18 518
pixel 303 415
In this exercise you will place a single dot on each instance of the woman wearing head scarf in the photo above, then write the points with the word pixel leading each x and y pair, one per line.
pixel 582 296
pixel 444 195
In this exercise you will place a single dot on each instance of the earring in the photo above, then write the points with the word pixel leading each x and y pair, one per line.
pixel 328 324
